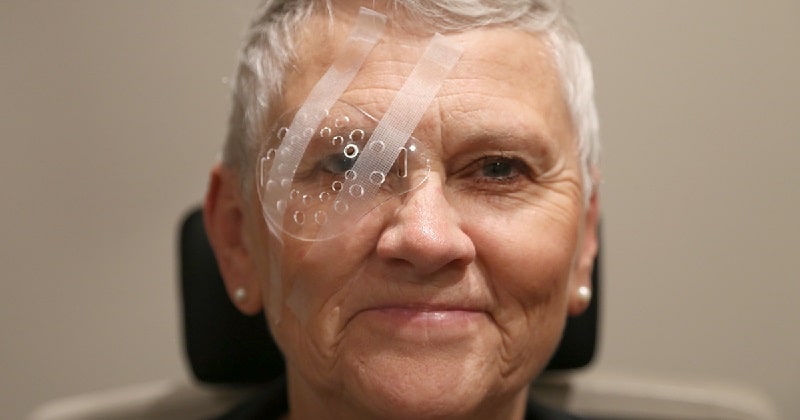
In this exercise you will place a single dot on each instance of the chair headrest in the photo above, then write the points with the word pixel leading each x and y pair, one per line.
pixel 226 347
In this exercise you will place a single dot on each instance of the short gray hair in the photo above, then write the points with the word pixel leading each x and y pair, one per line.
pixel 269 50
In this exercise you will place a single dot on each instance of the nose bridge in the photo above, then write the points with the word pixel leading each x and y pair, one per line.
pixel 426 231
pixel 426 209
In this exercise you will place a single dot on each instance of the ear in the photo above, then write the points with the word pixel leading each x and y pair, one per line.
pixel 584 265
pixel 224 216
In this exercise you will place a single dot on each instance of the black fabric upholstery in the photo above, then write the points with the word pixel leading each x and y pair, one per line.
pixel 579 342
pixel 225 347
pixel 222 344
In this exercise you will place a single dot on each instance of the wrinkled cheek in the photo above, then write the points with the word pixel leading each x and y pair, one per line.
pixel 538 276
pixel 317 275
pixel 315 280
pixel 304 283
pixel 533 330
pixel 530 281
pixel 306 330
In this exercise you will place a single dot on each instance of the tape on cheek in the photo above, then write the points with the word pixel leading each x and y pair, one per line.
pixel 367 31
pixel 393 132
pixel 301 300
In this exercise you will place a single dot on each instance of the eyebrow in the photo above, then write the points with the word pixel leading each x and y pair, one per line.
pixel 506 139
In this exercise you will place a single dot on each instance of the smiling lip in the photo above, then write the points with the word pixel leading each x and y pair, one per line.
pixel 423 317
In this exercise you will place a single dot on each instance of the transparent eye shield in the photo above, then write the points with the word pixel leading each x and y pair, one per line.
pixel 327 165
pixel 345 171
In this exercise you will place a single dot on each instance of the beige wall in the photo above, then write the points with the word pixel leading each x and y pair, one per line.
pixel 112 111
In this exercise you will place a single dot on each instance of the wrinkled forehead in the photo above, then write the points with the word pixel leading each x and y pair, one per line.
pixel 501 68
pixel 338 173
pixel 369 108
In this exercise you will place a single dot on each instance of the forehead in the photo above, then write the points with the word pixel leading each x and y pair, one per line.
pixel 505 77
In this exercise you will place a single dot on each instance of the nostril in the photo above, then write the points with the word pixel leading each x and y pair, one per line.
pixel 427 236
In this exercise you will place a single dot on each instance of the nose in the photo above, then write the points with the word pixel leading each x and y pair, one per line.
pixel 425 232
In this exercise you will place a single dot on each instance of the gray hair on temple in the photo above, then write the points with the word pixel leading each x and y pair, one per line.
pixel 269 50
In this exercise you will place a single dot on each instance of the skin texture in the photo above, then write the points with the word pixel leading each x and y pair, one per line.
pixel 446 301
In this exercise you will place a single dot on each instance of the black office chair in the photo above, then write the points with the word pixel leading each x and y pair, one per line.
pixel 226 347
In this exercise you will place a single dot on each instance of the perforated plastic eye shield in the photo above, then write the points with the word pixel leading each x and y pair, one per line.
pixel 327 165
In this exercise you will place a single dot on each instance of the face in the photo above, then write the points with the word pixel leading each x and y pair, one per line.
pixel 449 298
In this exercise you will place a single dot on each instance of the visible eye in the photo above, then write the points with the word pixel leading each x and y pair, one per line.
pixel 338 163
pixel 501 169
pixel 329 162
pixel 498 169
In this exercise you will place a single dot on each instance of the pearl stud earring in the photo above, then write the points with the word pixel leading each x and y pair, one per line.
pixel 240 294
pixel 585 294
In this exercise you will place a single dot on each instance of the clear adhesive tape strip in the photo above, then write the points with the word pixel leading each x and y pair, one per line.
pixel 401 119
pixel 367 31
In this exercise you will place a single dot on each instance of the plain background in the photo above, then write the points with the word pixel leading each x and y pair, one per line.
pixel 111 113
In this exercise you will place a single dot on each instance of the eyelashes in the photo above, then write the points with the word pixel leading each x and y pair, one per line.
pixel 498 169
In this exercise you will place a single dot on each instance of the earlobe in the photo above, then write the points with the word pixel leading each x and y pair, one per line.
pixel 580 293
pixel 224 214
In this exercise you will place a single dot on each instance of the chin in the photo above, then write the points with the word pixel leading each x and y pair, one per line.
pixel 427 382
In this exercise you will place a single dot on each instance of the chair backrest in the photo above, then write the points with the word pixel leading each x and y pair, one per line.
pixel 226 347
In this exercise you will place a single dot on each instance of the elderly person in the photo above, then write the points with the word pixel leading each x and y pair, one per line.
pixel 408 193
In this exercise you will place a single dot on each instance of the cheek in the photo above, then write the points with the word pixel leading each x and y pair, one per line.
pixel 312 276
pixel 309 306
pixel 527 253
pixel 527 261
pixel 316 278
pixel 326 265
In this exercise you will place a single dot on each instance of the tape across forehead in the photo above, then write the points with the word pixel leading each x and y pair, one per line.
pixel 367 31
pixel 396 127
pixel 324 172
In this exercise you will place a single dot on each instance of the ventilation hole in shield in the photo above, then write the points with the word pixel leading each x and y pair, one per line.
pixel 341 207
pixel 282 133
pixel 351 151
pixel 320 217
pixel 356 190
pixel 357 135
pixel 299 217
pixel 341 121
pixel 377 178
pixel 271 185
pixel 378 146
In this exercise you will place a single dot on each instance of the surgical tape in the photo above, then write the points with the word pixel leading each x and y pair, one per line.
pixel 365 34
pixel 334 162
pixel 396 127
